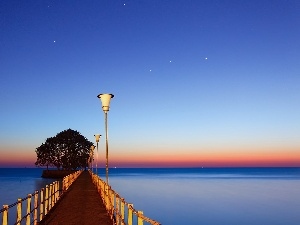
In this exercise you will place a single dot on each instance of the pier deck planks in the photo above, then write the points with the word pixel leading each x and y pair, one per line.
pixel 81 204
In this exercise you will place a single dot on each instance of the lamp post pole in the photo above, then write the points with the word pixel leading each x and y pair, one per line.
pixel 97 136
pixel 106 147
pixel 105 100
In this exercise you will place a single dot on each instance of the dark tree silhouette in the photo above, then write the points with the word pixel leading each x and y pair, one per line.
pixel 43 155
pixel 67 150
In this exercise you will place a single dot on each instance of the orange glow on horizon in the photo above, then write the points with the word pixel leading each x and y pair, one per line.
pixel 14 158
pixel 233 158
pixel 209 158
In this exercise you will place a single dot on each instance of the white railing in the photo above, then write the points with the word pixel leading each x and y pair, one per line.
pixel 121 212
pixel 39 203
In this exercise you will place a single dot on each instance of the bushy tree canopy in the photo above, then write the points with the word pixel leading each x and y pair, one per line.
pixel 67 150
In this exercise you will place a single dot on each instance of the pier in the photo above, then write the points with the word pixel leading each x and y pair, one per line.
pixel 84 198
pixel 81 204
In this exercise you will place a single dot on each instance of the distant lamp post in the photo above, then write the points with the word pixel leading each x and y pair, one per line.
pixel 105 100
pixel 92 156
pixel 97 136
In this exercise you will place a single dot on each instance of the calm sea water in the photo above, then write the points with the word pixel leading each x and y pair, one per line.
pixel 211 196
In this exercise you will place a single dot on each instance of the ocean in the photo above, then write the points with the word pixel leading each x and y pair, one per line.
pixel 180 196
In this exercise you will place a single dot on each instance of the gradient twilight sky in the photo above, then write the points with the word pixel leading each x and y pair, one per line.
pixel 196 82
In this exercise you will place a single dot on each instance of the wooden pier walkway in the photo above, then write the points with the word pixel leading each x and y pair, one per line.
pixel 81 204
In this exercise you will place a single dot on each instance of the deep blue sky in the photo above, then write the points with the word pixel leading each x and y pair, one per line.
pixel 191 78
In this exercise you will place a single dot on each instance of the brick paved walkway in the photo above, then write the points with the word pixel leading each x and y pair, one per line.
pixel 81 205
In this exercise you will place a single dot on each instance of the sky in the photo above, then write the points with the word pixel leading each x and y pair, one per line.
pixel 196 83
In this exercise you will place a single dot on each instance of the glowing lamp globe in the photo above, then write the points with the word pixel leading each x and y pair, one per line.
pixel 105 100
pixel 97 136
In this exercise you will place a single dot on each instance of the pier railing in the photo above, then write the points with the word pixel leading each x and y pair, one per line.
pixel 120 211
pixel 34 207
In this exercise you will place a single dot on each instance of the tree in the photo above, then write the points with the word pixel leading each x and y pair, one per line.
pixel 43 156
pixel 67 150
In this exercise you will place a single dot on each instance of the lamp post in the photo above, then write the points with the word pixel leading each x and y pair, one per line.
pixel 97 136
pixel 105 100
pixel 92 155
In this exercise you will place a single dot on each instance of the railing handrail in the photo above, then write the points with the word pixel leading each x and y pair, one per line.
pixel 115 204
pixel 49 196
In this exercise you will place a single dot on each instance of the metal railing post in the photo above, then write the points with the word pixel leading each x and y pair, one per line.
pixel 57 191
pixel 54 191
pixel 130 216
pixel 50 196
pixel 5 215
pixel 106 196
pixel 35 216
pixel 100 184
pixel 19 211
pixel 122 209
pixel 117 210
pixel 42 204
pixel 102 188
pixel 53 195
pixel 140 220
pixel 96 182
pixel 68 180
pixel 64 184
pixel 28 209
pixel 112 196
pixel 46 199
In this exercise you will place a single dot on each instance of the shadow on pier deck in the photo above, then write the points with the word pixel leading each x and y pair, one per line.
pixel 81 204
